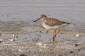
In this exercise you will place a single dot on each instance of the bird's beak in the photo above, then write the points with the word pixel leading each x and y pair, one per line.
pixel 36 20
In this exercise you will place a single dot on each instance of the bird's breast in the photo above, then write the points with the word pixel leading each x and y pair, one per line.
pixel 49 27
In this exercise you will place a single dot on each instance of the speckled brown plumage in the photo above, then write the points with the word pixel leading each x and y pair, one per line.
pixel 53 21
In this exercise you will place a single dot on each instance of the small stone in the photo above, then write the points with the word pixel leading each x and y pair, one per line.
pixel 60 55
pixel 20 50
pixel 78 49
pixel 11 39
pixel 40 31
pixel 71 52
pixel 0 41
pixel 76 45
pixel 39 43
pixel 77 35
pixel 23 55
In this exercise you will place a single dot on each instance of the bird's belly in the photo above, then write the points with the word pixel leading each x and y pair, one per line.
pixel 49 27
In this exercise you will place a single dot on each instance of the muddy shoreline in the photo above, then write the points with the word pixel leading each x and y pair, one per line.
pixel 60 48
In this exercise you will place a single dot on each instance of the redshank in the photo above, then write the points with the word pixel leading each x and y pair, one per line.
pixel 52 23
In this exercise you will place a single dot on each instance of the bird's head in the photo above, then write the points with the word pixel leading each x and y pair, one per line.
pixel 41 17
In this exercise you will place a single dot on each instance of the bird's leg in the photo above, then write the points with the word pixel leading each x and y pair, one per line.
pixel 55 33
pixel 54 36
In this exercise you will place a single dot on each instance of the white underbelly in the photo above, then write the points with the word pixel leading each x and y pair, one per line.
pixel 49 27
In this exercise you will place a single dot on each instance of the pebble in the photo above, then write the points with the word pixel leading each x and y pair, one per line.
pixel 71 52
pixel 76 45
pixel 77 35
pixel 22 55
pixel 1 40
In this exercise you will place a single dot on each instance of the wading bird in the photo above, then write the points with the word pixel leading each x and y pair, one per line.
pixel 51 23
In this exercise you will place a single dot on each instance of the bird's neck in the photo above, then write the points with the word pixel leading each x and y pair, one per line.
pixel 44 18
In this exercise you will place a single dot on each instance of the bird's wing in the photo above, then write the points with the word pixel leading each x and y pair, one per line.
pixel 53 22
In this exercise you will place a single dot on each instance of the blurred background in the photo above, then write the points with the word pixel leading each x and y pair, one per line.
pixel 27 10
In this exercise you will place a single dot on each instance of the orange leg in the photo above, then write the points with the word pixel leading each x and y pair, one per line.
pixel 55 33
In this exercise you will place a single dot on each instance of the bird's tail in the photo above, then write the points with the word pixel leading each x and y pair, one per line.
pixel 68 23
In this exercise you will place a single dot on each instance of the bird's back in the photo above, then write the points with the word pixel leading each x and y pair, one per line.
pixel 53 21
